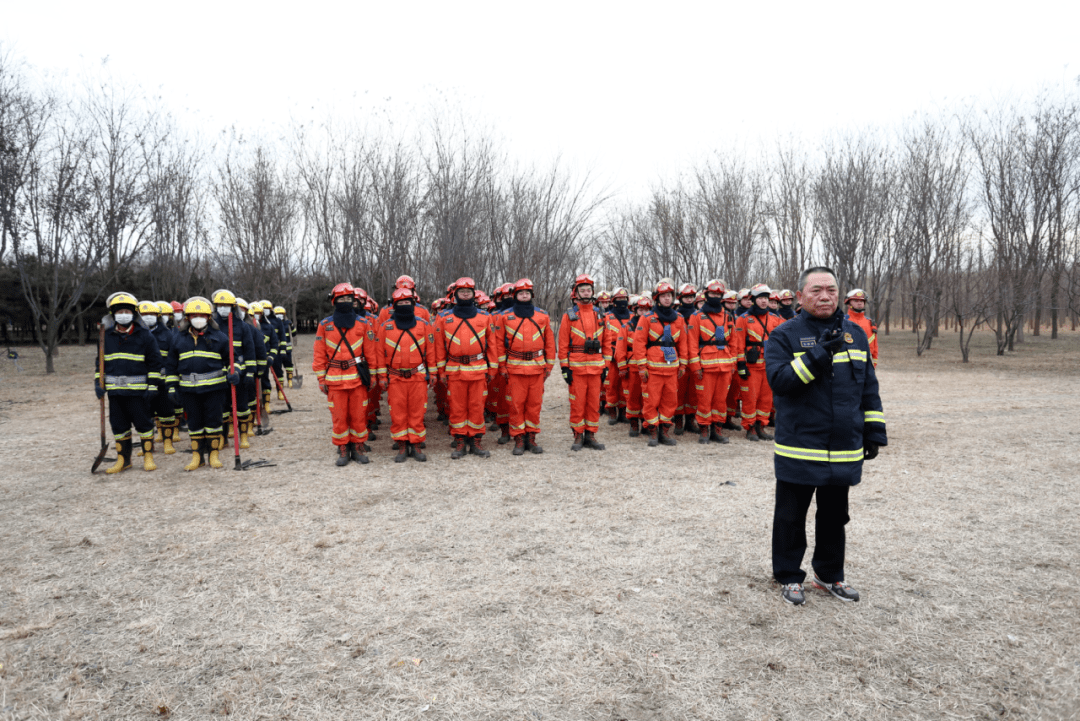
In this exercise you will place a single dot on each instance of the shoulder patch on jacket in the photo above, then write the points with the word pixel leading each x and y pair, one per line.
pixel 808 342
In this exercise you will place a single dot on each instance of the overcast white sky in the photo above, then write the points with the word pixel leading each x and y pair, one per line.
pixel 633 91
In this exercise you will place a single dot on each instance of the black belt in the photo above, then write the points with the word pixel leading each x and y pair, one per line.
pixel 467 358
pixel 662 344
pixel 583 349
pixel 525 354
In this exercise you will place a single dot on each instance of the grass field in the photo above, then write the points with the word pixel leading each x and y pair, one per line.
pixel 629 584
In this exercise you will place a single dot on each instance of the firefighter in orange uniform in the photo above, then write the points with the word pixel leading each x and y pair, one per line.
pixel 497 409
pixel 617 319
pixel 856 313
pixel 526 346
pixel 344 361
pixel 407 360
pixel 732 422
pixel 752 331
pixel 660 358
pixel 687 402
pixel 624 355
pixel 584 348
pixel 465 345
pixel 711 361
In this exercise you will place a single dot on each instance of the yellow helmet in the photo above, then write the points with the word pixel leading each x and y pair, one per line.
pixel 148 307
pixel 255 308
pixel 266 304
pixel 197 304
pixel 242 303
pixel 164 307
pixel 223 297
pixel 279 309
pixel 121 298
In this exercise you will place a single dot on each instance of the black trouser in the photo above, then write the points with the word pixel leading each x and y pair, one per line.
pixel 128 411
pixel 789 531
pixel 162 407
pixel 204 411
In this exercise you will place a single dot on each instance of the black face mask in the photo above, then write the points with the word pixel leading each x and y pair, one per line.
pixel 714 305
pixel 344 307
pixel 464 302
pixel 621 303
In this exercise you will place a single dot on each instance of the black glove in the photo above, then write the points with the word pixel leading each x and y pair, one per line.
pixel 603 376
pixel 98 390
pixel 174 398
pixel 567 374
pixel 870 450
pixel 150 393
pixel 744 373
pixel 831 340
pixel 234 378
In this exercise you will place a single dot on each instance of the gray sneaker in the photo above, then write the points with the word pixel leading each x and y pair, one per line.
pixel 793 594
pixel 839 589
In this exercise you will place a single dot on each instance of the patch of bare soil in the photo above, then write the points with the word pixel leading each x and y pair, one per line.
pixel 628 584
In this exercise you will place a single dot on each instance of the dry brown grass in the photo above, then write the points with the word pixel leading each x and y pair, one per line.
pixel 630 584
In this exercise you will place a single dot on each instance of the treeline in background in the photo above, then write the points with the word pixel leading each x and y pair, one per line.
pixel 962 219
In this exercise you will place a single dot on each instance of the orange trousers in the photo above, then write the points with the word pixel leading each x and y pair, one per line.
pixel 349 414
pixel 660 399
pixel 712 395
pixel 615 392
pixel 733 395
pixel 407 400
pixel 687 399
pixel 526 394
pixel 756 397
pixel 585 403
pixel 440 398
pixel 633 395
pixel 466 400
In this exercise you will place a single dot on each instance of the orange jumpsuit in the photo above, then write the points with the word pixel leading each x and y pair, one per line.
pixel 466 355
pixel 616 385
pixel 687 399
pixel 661 391
pixel 498 392
pixel 580 325
pixel 860 319
pixel 709 338
pixel 333 364
pixel 409 359
pixel 631 385
pixel 526 349
pixel 751 333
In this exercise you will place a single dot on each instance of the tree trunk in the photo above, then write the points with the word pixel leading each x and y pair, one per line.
pixel 1038 316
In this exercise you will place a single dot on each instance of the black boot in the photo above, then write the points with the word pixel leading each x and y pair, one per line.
pixel 622 415
pixel 665 435
pixel 505 437
pixel 761 432
pixel 716 436
pixel 531 444
pixel 751 435
pixel 651 434
pixel 729 424
pixel 590 442
pixel 579 442
pixel 691 424
pixel 613 416
pixel 678 424
pixel 635 425
pixel 344 454
pixel 459 448
pixel 476 447
pixel 519 445
pixel 703 438
pixel 415 452
pixel 402 453
pixel 357 453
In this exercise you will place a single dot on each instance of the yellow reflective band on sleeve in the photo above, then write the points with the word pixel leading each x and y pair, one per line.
pixel 125 356
pixel 800 369
pixel 856 354
pixel 824 455
pixel 874 416
pixel 200 354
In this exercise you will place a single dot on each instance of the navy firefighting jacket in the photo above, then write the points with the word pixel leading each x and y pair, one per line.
pixel 826 406
pixel 198 362
pixel 243 342
pixel 132 360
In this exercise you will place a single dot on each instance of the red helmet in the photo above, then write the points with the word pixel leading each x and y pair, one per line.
pixel 341 289
pixel 759 289
pixel 604 295
pixel 857 294
pixel 463 283
pixel 523 284
pixel 715 286
pixel 504 290
pixel 403 294
pixel 661 288
pixel 643 301
pixel 786 294
pixel 177 306
pixel 584 279
pixel 404 281
pixel 371 305
pixel 620 292
pixel 687 289
pixel 481 297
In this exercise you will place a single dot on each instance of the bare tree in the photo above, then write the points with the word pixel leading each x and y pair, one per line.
pixel 731 201
pixel 789 228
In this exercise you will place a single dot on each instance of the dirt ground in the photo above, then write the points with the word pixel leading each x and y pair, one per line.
pixel 629 584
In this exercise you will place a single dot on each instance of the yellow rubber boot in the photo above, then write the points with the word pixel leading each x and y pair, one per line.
pixel 245 427
pixel 215 445
pixel 160 436
pixel 229 429
pixel 167 439
pixel 123 457
pixel 288 377
pixel 196 456
pixel 280 396
pixel 148 455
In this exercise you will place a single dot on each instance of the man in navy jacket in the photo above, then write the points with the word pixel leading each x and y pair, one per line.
pixel 828 421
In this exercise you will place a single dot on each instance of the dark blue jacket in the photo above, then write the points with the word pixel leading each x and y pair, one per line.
pixel 164 335
pixel 243 341
pixel 132 360
pixel 826 407
pixel 270 339
pixel 198 362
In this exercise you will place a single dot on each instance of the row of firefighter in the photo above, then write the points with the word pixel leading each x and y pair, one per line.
pixel 664 362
